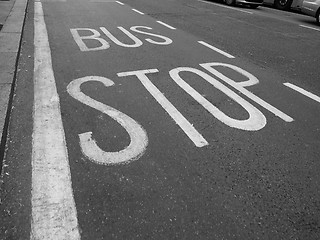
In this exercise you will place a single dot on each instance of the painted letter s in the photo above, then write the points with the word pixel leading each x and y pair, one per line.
pixel 138 136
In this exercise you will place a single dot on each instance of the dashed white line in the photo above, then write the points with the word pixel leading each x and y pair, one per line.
pixel 166 25
pixel 302 91
pixel 216 49
pixel 219 5
pixel 120 2
pixel 138 11
pixel 304 26
pixel 53 213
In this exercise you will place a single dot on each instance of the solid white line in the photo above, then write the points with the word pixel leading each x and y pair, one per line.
pixel 166 25
pixel 138 11
pixel 317 29
pixel 120 2
pixel 219 5
pixel 216 49
pixel 302 91
pixel 54 213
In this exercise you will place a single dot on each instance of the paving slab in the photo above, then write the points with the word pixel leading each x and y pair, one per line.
pixel 12 13
pixel 9 42
pixel 4 100
pixel 14 21
pixel 7 67
pixel 5 7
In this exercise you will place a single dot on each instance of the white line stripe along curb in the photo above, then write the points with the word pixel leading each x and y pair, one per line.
pixel 54 213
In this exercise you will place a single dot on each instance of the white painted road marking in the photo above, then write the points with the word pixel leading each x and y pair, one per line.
pixel 166 25
pixel 184 124
pixel 256 120
pixel 304 26
pixel 167 40
pixel 95 36
pixel 54 213
pixel 120 2
pixel 252 80
pixel 216 49
pixel 138 136
pixel 138 11
pixel 137 42
pixel 220 5
pixel 302 91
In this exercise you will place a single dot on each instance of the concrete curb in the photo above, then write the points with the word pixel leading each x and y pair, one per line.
pixel 10 37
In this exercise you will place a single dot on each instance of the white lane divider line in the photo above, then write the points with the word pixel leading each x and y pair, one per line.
pixel 138 11
pixel 216 49
pixel 220 5
pixel 54 214
pixel 313 28
pixel 302 91
pixel 120 2
pixel 166 25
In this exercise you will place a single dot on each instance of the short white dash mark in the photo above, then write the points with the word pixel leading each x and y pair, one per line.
pixel 120 2
pixel 138 11
pixel 166 25
pixel 302 91
pixel 216 49
pixel 313 28
pixel 223 6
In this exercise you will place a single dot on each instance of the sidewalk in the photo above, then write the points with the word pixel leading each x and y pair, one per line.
pixel 12 14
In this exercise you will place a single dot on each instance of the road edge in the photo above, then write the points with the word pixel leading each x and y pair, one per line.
pixel 10 44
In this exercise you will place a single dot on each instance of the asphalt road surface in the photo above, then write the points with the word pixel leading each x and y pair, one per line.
pixel 171 119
